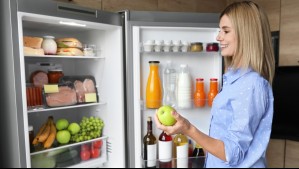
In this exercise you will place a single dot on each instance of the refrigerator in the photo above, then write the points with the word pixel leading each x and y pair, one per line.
pixel 119 67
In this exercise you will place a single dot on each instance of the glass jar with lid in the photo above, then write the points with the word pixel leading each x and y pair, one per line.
pixel 54 75
pixel 196 47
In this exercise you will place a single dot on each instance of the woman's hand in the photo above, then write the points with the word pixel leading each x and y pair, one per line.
pixel 181 126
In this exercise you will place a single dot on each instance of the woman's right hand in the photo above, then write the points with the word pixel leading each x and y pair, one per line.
pixel 181 126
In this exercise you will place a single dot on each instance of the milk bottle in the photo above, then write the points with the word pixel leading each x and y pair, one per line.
pixel 184 88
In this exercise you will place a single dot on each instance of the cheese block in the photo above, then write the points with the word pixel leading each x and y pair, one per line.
pixel 68 43
pixel 32 42
pixel 33 52
pixel 69 52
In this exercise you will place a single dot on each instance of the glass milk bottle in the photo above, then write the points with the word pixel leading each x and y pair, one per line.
pixel 169 85
pixel 154 88
pixel 184 88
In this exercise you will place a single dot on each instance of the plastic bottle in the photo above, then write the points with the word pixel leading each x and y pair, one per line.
pixel 149 146
pixel 184 88
pixel 213 91
pixel 180 151
pixel 199 95
pixel 154 88
pixel 165 150
pixel 169 85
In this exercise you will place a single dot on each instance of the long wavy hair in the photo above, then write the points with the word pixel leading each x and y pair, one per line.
pixel 254 45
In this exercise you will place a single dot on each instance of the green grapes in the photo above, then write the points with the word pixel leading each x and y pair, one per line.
pixel 91 128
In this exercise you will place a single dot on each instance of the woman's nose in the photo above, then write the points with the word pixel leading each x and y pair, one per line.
pixel 219 37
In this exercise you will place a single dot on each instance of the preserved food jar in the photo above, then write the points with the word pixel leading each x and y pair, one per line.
pixel 213 91
pixel 196 47
pixel 54 75
pixel 212 47
pixel 199 95
pixel 49 45
pixel 154 88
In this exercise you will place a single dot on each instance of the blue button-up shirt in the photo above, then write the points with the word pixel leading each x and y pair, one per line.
pixel 242 115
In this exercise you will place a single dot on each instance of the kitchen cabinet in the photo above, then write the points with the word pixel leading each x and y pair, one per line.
pixel 276 153
pixel 289 33
pixel 272 8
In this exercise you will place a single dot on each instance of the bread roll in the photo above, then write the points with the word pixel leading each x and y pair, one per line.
pixel 68 43
pixel 33 52
pixel 69 52
pixel 32 42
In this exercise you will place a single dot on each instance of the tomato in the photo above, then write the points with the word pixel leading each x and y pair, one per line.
pixel 85 147
pixel 95 153
pixel 97 144
pixel 85 155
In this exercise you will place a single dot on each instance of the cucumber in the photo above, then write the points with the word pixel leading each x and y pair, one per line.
pixel 66 156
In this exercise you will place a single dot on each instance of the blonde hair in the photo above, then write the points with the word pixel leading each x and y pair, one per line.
pixel 254 45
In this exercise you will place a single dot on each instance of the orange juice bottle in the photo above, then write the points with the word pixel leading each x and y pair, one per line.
pixel 213 91
pixel 154 88
pixel 199 95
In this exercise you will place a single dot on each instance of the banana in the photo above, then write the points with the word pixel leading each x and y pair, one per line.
pixel 50 140
pixel 35 140
pixel 46 132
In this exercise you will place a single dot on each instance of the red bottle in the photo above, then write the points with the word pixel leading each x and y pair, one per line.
pixel 165 150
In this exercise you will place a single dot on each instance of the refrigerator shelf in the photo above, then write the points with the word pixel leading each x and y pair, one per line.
pixel 42 109
pixel 190 162
pixel 104 138
pixel 66 57
pixel 183 53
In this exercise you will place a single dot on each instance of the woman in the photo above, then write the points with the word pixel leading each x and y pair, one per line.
pixel 242 112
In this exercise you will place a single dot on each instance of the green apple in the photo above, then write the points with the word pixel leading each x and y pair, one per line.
pixel 74 128
pixel 63 136
pixel 62 124
pixel 165 116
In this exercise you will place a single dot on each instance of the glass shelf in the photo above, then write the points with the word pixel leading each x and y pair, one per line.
pixel 190 162
pixel 66 57
pixel 203 53
pixel 42 109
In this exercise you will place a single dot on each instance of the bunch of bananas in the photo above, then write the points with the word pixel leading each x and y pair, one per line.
pixel 46 134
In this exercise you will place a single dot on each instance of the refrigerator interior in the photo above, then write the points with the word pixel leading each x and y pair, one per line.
pixel 106 67
pixel 201 65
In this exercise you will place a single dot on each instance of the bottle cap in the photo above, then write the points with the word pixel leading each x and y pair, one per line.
pixel 214 79
pixel 30 128
pixel 200 79
pixel 149 118
pixel 154 62
pixel 198 146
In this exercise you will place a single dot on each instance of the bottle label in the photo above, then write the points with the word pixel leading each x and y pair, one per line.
pixel 182 156
pixel 165 151
pixel 151 155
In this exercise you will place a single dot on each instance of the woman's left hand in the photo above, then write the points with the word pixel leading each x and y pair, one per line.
pixel 180 127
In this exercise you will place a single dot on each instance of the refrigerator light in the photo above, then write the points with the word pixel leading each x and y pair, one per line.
pixel 72 24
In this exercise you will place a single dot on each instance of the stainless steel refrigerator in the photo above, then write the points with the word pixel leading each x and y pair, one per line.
pixel 120 68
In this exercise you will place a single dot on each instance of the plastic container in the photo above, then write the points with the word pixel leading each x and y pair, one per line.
pixel 184 88
pixel 169 85
pixel 154 87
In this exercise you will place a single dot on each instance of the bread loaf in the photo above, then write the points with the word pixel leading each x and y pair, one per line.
pixel 69 52
pixel 68 43
pixel 32 42
pixel 33 52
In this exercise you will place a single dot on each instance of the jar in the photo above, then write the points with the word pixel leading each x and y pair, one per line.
pixel 31 137
pixel 49 45
pixel 54 75
pixel 212 47
pixel 196 47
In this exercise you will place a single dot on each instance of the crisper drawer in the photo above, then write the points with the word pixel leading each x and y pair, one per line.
pixel 191 162
pixel 87 154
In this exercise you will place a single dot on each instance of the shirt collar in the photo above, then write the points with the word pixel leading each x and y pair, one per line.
pixel 234 74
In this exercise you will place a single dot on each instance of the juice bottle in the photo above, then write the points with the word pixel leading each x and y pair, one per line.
pixel 213 91
pixel 199 95
pixel 154 88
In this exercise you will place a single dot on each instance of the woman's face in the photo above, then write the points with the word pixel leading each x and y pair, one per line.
pixel 227 37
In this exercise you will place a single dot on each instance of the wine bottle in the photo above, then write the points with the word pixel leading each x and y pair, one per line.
pixel 199 157
pixel 149 146
pixel 180 149
pixel 165 150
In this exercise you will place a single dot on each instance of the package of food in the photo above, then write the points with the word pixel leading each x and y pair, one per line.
pixel 68 43
pixel 58 95
pixel 85 87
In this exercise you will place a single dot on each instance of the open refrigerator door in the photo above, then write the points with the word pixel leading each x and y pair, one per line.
pixel 202 63
pixel 89 93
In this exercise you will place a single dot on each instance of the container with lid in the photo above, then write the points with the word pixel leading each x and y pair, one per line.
pixel 49 45
pixel 212 47
pixel 154 87
pixel 54 75
pixel 196 47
